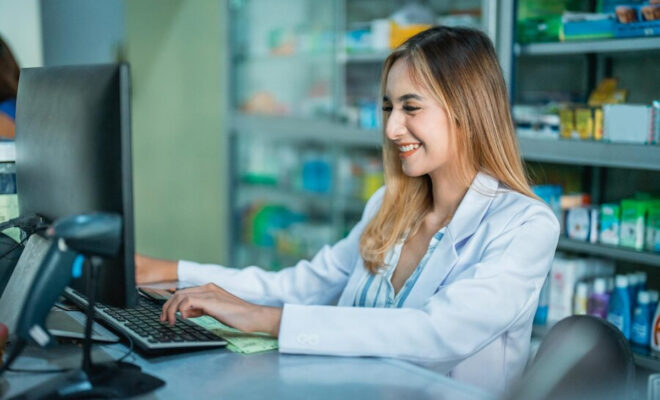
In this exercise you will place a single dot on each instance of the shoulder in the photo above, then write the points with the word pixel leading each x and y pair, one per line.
pixel 510 209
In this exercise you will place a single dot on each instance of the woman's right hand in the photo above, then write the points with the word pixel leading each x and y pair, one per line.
pixel 149 270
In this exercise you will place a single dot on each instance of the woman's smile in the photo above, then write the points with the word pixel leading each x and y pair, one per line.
pixel 406 150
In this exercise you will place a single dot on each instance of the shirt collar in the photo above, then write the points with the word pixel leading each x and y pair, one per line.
pixel 473 207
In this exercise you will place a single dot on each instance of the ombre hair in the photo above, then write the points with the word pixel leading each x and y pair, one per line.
pixel 459 67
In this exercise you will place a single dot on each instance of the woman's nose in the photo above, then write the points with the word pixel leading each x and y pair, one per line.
pixel 394 126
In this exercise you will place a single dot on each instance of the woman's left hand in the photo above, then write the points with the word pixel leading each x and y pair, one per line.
pixel 223 306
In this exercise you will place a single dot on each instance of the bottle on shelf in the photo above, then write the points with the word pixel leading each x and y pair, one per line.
pixel 640 329
pixel 580 299
pixel 619 308
pixel 599 299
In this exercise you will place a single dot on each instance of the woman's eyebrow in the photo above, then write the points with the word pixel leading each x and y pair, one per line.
pixel 409 96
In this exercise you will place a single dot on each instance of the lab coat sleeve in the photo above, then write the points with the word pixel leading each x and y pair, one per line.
pixel 319 281
pixel 457 321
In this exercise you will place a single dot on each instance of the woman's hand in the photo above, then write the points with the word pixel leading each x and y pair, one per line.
pixel 149 270
pixel 223 306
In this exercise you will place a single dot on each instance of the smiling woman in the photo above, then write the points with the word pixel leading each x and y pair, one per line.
pixel 446 264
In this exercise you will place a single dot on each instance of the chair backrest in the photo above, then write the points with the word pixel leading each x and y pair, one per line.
pixel 581 357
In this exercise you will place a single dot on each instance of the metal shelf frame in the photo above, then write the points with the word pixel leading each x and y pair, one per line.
pixel 593 153
pixel 563 151
pixel 588 46
pixel 614 252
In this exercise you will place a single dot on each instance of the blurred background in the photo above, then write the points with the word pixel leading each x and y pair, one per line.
pixel 256 124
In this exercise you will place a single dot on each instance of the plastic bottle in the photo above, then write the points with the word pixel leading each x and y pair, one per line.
pixel 641 280
pixel 632 289
pixel 653 302
pixel 619 308
pixel 640 332
pixel 599 299
pixel 580 298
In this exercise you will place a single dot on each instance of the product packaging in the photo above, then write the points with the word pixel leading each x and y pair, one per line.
pixel 632 223
pixel 652 234
pixel 619 310
pixel 610 223
pixel 599 298
pixel 567 128
pixel 565 274
pixel 626 123
pixel 584 123
pixel 582 224
pixel 640 334
pixel 581 298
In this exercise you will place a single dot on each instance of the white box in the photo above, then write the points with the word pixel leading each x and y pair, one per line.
pixel 627 123
pixel 565 273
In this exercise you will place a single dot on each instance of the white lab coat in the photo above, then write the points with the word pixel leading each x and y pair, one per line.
pixel 469 315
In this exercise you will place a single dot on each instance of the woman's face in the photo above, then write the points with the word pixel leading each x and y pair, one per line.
pixel 416 123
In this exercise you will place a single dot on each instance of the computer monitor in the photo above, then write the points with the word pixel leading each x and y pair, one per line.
pixel 73 155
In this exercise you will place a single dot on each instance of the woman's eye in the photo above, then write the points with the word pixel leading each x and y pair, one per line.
pixel 387 108
pixel 410 108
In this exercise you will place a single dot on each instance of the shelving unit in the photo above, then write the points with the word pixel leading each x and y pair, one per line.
pixel 597 156
pixel 331 132
pixel 296 47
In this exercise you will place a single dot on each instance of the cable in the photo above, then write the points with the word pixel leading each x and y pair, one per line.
pixel 130 347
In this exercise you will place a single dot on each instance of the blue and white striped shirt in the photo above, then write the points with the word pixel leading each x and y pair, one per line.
pixel 376 290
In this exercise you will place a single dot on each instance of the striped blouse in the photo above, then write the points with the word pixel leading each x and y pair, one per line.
pixel 376 290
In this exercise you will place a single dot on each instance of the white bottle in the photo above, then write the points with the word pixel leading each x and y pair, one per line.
pixel 580 298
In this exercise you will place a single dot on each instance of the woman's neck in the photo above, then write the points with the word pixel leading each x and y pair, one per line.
pixel 448 191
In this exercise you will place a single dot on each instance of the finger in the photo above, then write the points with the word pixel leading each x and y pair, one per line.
pixel 169 310
pixel 174 299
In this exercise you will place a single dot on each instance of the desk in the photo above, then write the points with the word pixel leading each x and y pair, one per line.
pixel 221 374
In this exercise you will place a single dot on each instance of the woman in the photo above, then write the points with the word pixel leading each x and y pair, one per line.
pixel 9 73
pixel 445 266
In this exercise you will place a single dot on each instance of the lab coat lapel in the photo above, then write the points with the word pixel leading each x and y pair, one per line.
pixel 467 218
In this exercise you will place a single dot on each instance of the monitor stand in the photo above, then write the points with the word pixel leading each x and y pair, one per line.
pixel 104 380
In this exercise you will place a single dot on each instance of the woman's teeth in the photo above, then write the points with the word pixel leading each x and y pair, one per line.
pixel 409 147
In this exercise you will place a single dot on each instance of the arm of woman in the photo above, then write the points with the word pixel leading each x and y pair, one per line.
pixel 317 281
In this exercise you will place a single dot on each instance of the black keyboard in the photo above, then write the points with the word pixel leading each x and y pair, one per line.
pixel 142 324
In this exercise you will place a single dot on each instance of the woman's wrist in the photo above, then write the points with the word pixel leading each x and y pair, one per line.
pixel 270 319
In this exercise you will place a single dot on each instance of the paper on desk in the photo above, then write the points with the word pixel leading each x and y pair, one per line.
pixel 239 342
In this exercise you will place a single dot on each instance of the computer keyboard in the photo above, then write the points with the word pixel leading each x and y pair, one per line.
pixel 142 324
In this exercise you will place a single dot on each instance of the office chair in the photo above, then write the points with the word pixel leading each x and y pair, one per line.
pixel 581 357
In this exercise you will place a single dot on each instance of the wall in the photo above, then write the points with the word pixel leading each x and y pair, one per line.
pixel 177 49
pixel 82 31
pixel 20 26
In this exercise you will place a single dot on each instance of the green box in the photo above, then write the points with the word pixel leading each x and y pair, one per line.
pixel 633 213
pixel 652 234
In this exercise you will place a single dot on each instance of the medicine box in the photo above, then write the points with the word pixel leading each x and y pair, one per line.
pixel 627 123
pixel 632 223
pixel 610 224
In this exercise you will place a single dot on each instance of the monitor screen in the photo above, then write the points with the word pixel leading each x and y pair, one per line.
pixel 73 155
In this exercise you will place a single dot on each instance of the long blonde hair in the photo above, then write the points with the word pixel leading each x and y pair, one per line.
pixel 459 67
